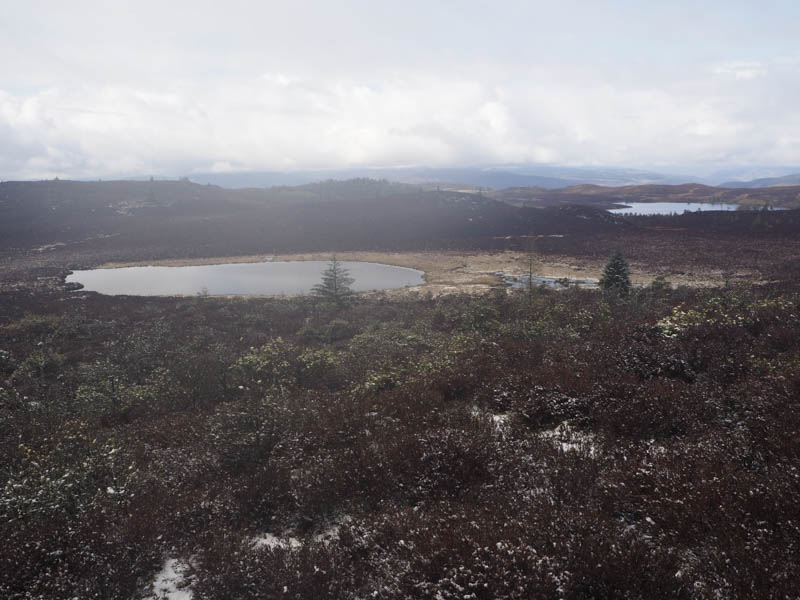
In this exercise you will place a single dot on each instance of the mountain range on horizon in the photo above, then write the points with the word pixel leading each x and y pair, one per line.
pixel 491 177
pixel 793 179
pixel 547 177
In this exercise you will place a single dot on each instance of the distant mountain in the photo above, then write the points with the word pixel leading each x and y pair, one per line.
pixel 603 176
pixel 793 179
pixel 451 178
pixel 746 173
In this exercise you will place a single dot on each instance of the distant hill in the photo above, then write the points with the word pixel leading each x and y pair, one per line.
pixel 139 220
pixel 604 197
pixel 452 178
pixel 793 179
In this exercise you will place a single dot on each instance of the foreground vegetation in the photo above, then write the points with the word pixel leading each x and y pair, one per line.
pixel 538 445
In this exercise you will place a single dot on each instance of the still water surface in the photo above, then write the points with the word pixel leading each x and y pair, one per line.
pixel 668 208
pixel 265 278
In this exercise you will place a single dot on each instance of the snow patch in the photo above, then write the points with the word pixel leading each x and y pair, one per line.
pixel 500 420
pixel 331 533
pixel 270 540
pixel 325 536
pixel 174 580
pixel 569 439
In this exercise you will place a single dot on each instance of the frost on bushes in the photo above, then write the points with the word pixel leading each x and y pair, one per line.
pixel 316 367
pixel 387 343
pixel 46 487
pixel 37 365
pixel 7 362
pixel 731 310
pixel 636 435
pixel 381 359
pixel 270 365
pixel 540 407
pixel 380 381
pixel 334 331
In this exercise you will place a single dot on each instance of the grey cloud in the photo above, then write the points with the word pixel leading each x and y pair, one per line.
pixel 158 86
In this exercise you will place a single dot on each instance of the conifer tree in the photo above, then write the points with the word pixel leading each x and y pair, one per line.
pixel 616 275
pixel 335 284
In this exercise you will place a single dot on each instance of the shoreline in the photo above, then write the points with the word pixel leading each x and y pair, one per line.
pixel 447 272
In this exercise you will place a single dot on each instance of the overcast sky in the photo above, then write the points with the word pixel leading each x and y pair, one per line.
pixel 105 88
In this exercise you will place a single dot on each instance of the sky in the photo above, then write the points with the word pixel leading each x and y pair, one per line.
pixel 109 88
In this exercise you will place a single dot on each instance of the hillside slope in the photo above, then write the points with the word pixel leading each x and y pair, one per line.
pixel 763 182
pixel 144 219
pixel 783 197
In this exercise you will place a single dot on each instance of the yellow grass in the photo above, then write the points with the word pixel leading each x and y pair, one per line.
pixel 450 272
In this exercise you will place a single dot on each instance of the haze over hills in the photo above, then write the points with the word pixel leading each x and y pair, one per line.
pixel 793 179
pixel 497 177
pixel 490 177
pixel 549 177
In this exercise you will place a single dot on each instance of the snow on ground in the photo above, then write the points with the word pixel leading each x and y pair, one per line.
pixel 270 540
pixel 569 439
pixel 500 420
pixel 331 533
pixel 173 581
pixel 327 535
pixel 564 435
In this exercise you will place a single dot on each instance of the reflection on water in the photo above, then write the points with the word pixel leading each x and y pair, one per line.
pixel 669 208
pixel 267 278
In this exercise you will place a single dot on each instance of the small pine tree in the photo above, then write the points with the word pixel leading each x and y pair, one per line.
pixel 616 275
pixel 335 284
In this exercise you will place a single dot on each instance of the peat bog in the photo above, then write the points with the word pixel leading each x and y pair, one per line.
pixel 530 443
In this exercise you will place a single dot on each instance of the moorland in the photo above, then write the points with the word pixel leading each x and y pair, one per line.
pixel 459 441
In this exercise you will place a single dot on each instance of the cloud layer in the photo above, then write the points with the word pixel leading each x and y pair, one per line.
pixel 148 90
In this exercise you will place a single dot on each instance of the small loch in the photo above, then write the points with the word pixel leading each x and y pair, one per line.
pixel 289 278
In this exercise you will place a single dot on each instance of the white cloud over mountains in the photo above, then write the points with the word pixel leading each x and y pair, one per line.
pixel 117 95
